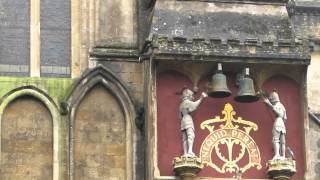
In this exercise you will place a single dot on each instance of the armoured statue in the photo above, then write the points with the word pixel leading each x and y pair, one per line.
pixel 279 129
pixel 187 106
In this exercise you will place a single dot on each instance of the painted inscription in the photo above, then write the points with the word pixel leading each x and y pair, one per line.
pixel 231 136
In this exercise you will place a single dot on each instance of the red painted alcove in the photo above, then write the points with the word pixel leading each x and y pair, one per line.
pixel 168 125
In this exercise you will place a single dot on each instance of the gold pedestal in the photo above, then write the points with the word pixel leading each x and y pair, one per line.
pixel 282 169
pixel 187 167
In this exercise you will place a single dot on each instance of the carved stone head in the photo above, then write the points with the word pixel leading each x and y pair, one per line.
pixel 274 97
pixel 187 94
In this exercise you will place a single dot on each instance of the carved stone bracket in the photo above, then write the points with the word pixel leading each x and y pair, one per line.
pixel 281 169
pixel 187 167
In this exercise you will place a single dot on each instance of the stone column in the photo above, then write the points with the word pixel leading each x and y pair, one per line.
pixel 35 38
pixel 75 38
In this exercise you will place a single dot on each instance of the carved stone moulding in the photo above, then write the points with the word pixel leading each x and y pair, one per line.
pixel 187 167
pixel 281 169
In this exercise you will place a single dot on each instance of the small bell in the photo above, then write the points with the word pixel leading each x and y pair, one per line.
pixel 217 88
pixel 246 91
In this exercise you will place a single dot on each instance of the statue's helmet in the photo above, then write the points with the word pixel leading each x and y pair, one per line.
pixel 187 94
pixel 274 97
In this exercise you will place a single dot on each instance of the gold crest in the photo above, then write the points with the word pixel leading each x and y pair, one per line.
pixel 232 132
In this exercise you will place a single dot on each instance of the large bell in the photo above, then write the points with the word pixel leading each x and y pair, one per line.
pixel 246 91
pixel 217 88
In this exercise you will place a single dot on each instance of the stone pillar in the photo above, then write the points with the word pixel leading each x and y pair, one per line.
pixel 75 38
pixel 281 169
pixel 187 167
pixel 35 38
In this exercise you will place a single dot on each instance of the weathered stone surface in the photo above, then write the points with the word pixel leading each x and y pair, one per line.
pixel 307 25
pixel 131 73
pixel 306 18
pixel 206 31
pixel 99 137
pixel 317 168
pixel 232 50
pixel 314 83
pixel 118 27
pixel 26 141
pixel 195 19
pixel 314 151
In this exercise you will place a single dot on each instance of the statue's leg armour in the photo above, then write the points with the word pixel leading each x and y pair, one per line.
pixel 276 143
pixel 191 136
pixel 184 141
pixel 283 145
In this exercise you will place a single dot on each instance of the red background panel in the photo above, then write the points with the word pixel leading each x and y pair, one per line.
pixel 169 135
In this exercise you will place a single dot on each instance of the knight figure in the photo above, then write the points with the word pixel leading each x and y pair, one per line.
pixel 279 129
pixel 187 106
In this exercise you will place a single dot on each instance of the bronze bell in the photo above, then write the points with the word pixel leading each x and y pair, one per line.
pixel 246 91
pixel 217 88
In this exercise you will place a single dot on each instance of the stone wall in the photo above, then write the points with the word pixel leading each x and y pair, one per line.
pixel 118 23
pixel 313 86
pixel 103 23
pixel 105 143
pixel 104 120
pixel 99 137
pixel 133 76
pixel 26 141
pixel 314 152
pixel 307 25
pixel 314 82
pixel 131 73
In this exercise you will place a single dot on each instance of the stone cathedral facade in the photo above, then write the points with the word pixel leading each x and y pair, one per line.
pixel 90 89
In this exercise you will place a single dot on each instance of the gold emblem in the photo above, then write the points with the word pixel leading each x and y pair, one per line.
pixel 231 135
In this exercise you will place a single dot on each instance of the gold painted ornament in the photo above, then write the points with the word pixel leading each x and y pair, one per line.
pixel 234 132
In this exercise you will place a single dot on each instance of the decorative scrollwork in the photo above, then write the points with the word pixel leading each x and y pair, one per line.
pixel 231 136
pixel 228 118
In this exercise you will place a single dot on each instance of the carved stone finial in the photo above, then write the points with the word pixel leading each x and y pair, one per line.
pixel 187 167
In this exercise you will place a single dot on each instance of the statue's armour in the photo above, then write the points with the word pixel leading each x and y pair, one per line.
pixel 278 124
pixel 186 122
pixel 186 107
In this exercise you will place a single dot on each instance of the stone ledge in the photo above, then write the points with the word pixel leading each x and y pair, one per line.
pixel 114 54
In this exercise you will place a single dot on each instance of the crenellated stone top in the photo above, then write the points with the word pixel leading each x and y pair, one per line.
pixel 205 49
pixel 242 1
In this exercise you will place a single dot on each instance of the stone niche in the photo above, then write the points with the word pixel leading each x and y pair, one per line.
pixel 26 141
pixel 99 137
